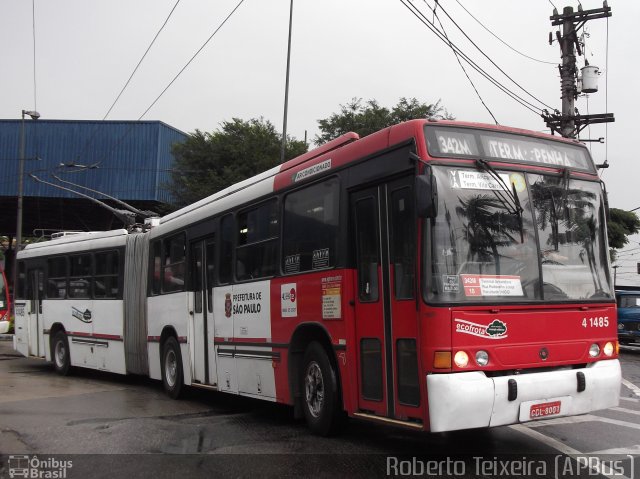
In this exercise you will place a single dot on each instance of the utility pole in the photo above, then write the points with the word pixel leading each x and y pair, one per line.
pixel 570 123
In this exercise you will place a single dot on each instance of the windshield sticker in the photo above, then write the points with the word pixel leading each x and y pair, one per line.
pixel 450 283
pixel 288 300
pixel 292 263
pixel 488 285
pixel 517 180
pixel 476 180
pixel 320 258
pixel 331 297
pixel 495 330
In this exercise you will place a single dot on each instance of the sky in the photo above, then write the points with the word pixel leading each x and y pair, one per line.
pixel 371 49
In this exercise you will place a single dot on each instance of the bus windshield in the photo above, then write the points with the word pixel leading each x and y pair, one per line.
pixel 515 237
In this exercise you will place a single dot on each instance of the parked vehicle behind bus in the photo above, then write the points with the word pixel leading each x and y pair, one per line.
pixel 628 316
pixel 5 304
pixel 435 275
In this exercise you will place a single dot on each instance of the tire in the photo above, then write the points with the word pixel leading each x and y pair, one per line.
pixel 60 353
pixel 171 363
pixel 320 396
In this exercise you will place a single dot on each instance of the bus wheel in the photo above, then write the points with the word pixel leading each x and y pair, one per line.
pixel 172 368
pixel 320 392
pixel 60 353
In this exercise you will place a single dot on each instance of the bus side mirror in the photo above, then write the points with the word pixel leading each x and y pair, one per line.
pixel 426 195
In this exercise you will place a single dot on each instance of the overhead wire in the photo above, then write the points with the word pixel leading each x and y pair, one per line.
pixel 191 59
pixel 491 60
pixel 462 66
pixel 97 127
pixel 501 40
pixel 523 102
pixel 141 60
pixel 130 129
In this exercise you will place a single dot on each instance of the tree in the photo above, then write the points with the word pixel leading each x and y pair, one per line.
pixel 209 162
pixel 369 117
pixel 621 224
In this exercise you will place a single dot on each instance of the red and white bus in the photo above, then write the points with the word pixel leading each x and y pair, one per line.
pixel 5 303
pixel 438 275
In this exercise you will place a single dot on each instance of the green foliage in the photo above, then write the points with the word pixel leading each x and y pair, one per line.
pixel 209 162
pixel 369 117
pixel 622 224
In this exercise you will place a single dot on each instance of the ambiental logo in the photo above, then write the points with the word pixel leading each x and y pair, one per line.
pixel 84 316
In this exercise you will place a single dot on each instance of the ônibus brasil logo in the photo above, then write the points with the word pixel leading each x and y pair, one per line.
pixel 495 330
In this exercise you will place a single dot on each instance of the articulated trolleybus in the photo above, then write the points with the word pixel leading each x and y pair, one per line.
pixel 438 275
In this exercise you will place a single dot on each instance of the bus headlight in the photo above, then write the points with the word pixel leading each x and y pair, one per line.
pixel 608 349
pixel 482 358
pixel 461 359
pixel 594 350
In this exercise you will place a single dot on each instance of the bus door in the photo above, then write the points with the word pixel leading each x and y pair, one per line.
pixel 384 243
pixel 35 321
pixel 201 329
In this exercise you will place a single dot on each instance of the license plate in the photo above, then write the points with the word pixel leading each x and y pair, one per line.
pixel 545 409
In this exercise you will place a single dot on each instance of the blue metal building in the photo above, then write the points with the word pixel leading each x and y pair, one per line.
pixel 129 160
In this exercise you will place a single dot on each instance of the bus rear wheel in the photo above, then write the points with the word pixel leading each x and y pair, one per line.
pixel 60 353
pixel 172 368
pixel 320 397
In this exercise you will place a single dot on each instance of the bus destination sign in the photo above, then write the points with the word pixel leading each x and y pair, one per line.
pixel 454 142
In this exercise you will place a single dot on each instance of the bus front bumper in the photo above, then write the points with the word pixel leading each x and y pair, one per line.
pixel 472 400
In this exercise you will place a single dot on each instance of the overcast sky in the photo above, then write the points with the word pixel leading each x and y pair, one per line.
pixel 341 49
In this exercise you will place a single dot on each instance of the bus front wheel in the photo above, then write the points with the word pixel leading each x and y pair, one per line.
pixel 320 396
pixel 60 353
pixel 172 368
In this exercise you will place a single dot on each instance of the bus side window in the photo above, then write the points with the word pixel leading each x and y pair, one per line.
pixel 367 249
pixel 22 278
pixel 402 242
pixel 173 270
pixel 257 241
pixel 56 278
pixel 156 271
pixel 105 282
pixel 311 227
pixel 226 249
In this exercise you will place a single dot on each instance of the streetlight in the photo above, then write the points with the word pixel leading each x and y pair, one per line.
pixel 34 116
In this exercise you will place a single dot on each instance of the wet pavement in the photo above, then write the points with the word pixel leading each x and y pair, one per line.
pixel 113 424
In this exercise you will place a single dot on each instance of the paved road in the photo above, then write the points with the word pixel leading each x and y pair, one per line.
pixel 112 426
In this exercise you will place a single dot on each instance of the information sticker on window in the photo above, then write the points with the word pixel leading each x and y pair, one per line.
pixel 489 285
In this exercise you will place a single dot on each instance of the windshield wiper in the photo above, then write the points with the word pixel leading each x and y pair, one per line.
pixel 513 205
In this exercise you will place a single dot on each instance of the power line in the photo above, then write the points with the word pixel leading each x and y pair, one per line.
pixel 421 17
pixel 502 41
pixel 130 129
pixel 191 59
pixel 491 60
pixel 462 66
pixel 140 62
pixel 97 127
